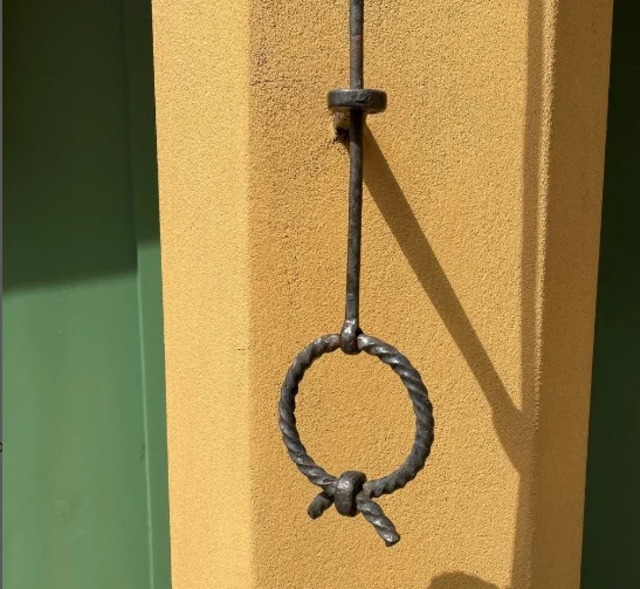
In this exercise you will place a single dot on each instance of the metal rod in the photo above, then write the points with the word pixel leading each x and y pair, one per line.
pixel 356 27
pixel 352 493
pixel 351 327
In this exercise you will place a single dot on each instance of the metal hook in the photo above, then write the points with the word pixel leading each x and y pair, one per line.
pixel 351 492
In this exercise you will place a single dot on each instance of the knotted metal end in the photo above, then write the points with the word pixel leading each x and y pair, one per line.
pixel 319 505
pixel 347 487
pixel 350 497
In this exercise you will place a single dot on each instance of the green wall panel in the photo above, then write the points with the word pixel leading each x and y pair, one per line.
pixel 612 512
pixel 85 477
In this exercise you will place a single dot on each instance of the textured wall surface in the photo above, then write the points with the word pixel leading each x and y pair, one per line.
pixel 483 183
pixel 201 71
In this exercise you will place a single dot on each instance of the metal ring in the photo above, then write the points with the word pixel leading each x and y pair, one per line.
pixel 374 488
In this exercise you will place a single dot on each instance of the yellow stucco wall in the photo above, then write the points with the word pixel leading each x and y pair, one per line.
pixel 483 185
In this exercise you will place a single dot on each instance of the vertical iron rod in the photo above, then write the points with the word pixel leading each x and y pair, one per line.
pixel 351 492
pixel 351 328
pixel 356 27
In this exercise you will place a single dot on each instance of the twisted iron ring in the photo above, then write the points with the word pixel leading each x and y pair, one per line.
pixel 351 492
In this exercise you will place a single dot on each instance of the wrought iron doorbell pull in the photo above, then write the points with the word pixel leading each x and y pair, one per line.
pixel 352 493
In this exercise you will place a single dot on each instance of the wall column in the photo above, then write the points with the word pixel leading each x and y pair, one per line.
pixel 483 182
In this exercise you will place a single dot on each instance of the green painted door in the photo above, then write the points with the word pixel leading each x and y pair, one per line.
pixel 612 513
pixel 85 479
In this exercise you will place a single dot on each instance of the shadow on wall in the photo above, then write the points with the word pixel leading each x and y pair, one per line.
pixel 397 212
pixel 514 426
pixel 547 530
pixel 460 581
